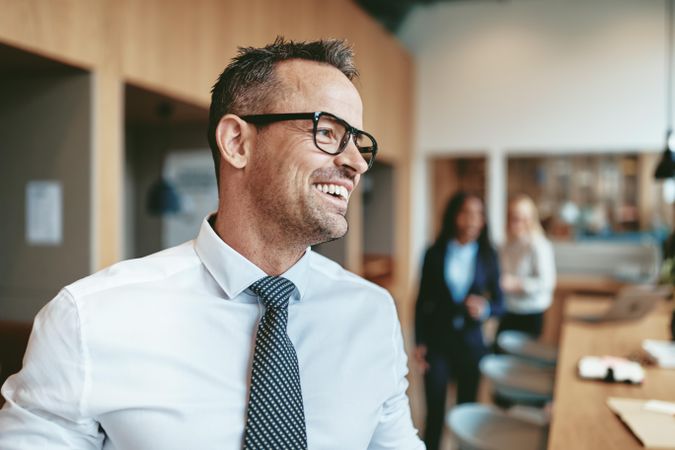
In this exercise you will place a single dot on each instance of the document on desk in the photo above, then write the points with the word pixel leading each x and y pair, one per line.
pixel 651 421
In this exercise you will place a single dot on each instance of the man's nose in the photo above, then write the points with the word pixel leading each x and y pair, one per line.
pixel 351 157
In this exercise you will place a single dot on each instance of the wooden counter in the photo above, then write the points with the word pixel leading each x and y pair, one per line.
pixel 581 419
pixel 588 283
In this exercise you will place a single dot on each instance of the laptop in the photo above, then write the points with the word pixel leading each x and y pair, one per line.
pixel 631 303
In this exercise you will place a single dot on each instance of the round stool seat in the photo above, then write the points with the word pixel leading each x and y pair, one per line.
pixel 523 345
pixel 483 427
pixel 518 380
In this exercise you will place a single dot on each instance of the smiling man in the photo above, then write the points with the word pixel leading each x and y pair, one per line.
pixel 243 337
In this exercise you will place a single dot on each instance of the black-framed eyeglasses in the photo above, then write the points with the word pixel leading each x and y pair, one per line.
pixel 331 134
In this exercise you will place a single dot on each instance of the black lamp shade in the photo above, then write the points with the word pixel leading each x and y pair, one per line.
pixel 666 167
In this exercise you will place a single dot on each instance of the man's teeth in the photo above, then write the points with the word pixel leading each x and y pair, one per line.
pixel 333 189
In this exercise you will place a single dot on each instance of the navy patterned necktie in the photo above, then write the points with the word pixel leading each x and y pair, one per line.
pixel 275 417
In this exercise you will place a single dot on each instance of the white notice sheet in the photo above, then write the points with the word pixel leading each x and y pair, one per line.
pixel 44 213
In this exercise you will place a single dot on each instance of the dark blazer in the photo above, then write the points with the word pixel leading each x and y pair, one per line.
pixel 436 309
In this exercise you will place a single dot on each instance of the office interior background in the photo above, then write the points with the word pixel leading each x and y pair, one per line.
pixel 104 107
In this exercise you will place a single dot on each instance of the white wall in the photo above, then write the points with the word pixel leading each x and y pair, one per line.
pixel 525 76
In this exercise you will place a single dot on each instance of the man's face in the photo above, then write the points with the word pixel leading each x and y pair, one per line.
pixel 289 173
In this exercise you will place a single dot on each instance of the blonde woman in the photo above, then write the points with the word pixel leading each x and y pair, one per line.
pixel 527 268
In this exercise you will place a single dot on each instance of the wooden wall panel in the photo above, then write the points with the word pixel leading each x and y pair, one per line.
pixel 68 30
pixel 108 167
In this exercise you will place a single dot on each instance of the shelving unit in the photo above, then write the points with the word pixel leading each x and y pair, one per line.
pixel 610 193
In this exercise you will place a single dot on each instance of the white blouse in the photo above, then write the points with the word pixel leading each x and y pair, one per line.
pixel 533 263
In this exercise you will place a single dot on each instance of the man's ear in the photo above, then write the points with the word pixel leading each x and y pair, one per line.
pixel 233 136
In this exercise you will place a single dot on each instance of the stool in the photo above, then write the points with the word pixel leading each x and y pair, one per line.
pixel 484 427
pixel 518 382
pixel 524 346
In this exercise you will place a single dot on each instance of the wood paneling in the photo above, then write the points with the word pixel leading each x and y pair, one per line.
pixel 71 31
pixel 402 288
pixel 178 48
pixel 108 157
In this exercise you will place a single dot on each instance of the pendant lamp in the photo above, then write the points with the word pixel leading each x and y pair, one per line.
pixel 666 167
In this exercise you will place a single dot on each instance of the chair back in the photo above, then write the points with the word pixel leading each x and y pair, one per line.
pixel 484 427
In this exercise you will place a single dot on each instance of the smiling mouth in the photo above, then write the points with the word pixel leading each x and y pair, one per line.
pixel 339 192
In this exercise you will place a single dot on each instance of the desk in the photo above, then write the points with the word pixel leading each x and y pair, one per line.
pixel 596 284
pixel 581 419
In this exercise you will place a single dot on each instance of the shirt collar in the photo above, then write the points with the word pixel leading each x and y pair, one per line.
pixel 233 272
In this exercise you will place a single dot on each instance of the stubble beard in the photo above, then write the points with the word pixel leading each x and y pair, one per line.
pixel 327 227
pixel 311 224
pixel 296 221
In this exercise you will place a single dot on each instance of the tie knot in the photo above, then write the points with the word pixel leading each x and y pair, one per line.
pixel 273 291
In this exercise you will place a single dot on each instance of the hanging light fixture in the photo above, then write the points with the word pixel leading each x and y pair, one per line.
pixel 666 167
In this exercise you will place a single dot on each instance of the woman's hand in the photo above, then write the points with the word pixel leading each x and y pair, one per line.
pixel 511 283
pixel 420 358
pixel 476 306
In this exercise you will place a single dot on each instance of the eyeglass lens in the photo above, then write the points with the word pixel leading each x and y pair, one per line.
pixel 331 138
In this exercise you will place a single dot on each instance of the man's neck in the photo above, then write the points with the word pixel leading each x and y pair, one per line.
pixel 265 248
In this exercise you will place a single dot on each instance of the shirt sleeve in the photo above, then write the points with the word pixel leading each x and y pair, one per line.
pixel 395 429
pixel 45 401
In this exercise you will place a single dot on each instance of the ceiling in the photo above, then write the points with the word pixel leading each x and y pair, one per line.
pixel 391 13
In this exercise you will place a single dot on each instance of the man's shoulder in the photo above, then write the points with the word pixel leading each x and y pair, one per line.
pixel 152 268
pixel 333 272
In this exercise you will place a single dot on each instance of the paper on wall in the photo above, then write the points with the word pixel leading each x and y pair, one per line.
pixel 44 213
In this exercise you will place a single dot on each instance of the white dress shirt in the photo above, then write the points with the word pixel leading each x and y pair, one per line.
pixel 155 353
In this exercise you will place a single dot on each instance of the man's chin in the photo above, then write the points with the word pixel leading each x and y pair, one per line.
pixel 332 231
